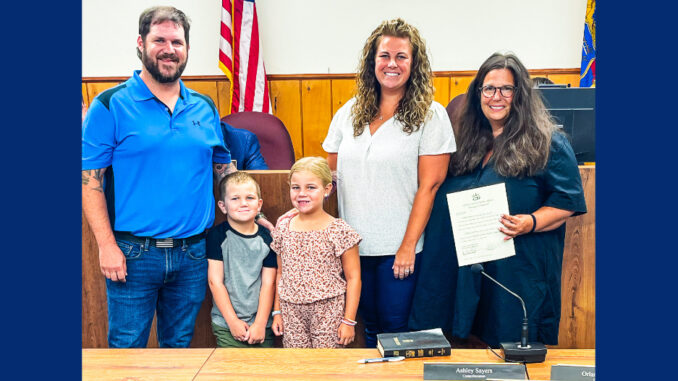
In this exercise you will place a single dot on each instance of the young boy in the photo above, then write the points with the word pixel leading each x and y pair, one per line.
pixel 241 267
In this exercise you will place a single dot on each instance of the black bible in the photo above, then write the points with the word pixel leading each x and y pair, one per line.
pixel 426 343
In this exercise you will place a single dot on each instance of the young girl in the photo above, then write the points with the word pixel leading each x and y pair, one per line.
pixel 318 265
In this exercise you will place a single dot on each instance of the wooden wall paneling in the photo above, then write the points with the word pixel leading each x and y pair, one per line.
pixel 94 88
pixel 224 95
pixel 342 91
pixel 586 295
pixel 275 191
pixel 571 79
pixel 577 321
pixel 153 336
pixel 203 337
pixel 442 86
pixel 459 85
pixel 208 88
pixel 316 111
pixel 94 308
pixel 286 102
pixel 85 97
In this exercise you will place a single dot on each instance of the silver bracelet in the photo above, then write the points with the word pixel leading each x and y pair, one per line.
pixel 277 312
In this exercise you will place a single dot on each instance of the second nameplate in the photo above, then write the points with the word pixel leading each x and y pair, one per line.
pixel 467 371
pixel 566 372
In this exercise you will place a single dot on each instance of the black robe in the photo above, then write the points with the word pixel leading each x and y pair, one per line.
pixel 462 302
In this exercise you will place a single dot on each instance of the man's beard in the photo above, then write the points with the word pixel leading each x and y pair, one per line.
pixel 152 67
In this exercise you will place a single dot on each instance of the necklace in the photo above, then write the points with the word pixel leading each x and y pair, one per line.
pixel 381 115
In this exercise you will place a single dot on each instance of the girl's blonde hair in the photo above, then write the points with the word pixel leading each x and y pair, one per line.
pixel 318 166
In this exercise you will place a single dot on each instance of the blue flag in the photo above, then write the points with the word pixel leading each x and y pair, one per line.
pixel 588 53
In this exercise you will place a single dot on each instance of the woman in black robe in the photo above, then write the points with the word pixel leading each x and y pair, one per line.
pixel 504 134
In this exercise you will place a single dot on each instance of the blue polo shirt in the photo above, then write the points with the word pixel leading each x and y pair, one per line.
pixel 162 160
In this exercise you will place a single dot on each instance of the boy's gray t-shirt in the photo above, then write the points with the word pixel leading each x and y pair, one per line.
pixel 243 257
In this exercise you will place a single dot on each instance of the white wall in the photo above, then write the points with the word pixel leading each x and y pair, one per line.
pixel 326 36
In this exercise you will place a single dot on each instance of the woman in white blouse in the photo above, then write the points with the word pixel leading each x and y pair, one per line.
pixel 390 147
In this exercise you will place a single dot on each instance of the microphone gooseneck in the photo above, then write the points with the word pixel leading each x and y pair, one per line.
pixel 478 268
pixel 517 351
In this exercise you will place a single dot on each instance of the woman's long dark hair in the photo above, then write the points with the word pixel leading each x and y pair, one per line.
pixel 523 147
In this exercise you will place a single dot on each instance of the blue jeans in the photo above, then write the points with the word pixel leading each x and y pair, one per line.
pixel 385 301
pixel 172 281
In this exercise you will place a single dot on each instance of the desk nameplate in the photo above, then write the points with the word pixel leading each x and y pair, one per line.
pixel 473 371
pixel 568 372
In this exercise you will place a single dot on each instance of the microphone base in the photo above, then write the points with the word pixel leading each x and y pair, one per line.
pixel 535 352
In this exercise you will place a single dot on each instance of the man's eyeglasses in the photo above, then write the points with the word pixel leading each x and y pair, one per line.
pixel 505 91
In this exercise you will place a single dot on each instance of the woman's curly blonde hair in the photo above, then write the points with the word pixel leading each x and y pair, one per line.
pixel 413 108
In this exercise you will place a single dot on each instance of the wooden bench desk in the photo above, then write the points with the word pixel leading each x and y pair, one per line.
pixel 542 371
pixel 286 364
pixel 143 364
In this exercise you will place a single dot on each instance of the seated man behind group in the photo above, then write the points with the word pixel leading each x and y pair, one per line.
pixel 244 146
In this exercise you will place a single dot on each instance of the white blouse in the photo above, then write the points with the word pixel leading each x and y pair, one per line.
pixel 377 175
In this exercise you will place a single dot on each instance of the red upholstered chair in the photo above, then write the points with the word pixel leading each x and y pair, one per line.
pixel 276 144
pixel 454 109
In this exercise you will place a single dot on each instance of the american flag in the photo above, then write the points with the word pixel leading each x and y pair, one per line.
pixel 240 56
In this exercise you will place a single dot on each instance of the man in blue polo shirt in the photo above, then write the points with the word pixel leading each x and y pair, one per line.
pixel 163 142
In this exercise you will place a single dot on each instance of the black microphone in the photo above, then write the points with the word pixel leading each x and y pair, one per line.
pixel 523 351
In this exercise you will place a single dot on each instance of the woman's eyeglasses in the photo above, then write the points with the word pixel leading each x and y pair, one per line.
pixel 505 91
